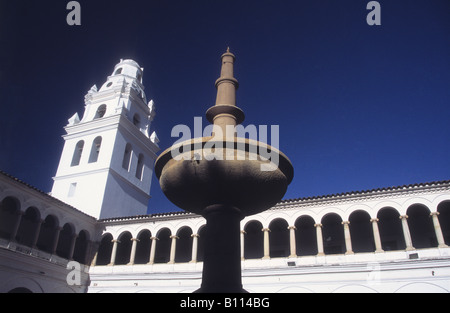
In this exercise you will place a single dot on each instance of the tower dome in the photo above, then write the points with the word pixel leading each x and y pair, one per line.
pixel 127 72
pixel 129 68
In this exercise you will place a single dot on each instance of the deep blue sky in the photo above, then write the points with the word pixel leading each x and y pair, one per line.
pixel 359 107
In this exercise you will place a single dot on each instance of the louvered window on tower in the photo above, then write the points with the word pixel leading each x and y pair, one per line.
pixel 140 166
pixel 77 153
pixel 127 157
pixel 95 150
pixel 100 111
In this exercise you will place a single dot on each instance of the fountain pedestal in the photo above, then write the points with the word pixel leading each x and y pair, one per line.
pixel 222 262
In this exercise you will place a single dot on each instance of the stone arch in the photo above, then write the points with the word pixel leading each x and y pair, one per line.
pixel 9 213
pixel 28 226
pixel 81 247
pixel 253 240
pixel 47 234
pixel 331 210
pixel 143 247
pixel 184 245
pixel 371 212
pixel 305 236
pixel 124 244
pixel 162 251
pixel 333 234
pixel 258 218
pixel 421 226
pixel 279 238
pixel 105 249
pixel 279 215
pixel 361 232
pixel 65 241
pixel 390 227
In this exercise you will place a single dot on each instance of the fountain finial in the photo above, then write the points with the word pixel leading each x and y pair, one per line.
pixel 225 112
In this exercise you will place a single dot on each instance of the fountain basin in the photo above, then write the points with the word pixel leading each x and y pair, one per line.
pixel 243 173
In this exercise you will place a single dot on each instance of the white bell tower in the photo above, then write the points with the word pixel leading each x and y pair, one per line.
pixel 107 161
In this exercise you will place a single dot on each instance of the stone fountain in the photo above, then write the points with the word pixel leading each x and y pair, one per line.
pixel 223 178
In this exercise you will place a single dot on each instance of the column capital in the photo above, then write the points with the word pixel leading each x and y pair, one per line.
pixel 134 239
pixel 154 238
pixel 195 235
pixel 266 229
pixel 318 225
pixel 403 217
pixel 115 240
pixel 345 223
pixel 374 220
pixel 243 232
pixel 434 213
pixel 174 237
pixel 292 227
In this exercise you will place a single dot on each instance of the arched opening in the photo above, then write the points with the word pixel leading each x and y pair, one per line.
pixel 28 227
pixel 65 241
pixel 105 250
pixel 184 245
pixel 47 234
pixel 361 232
pixel 127 157
pixel 390 227
pixel 81 246
pixel 162 252
pixel 305 236
pixel 333 234
pixel 279 238
pixel 118 71
pixel 77 153
pixel 421 226
pixel 137 120
pixel 95 149
pixel 253 240
pixel 123 248
pixel 201 243
pixel 101 110
pixel 444 220
pixel 9 213
pixel 20 290
pixel 140 166
pixel 143 247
